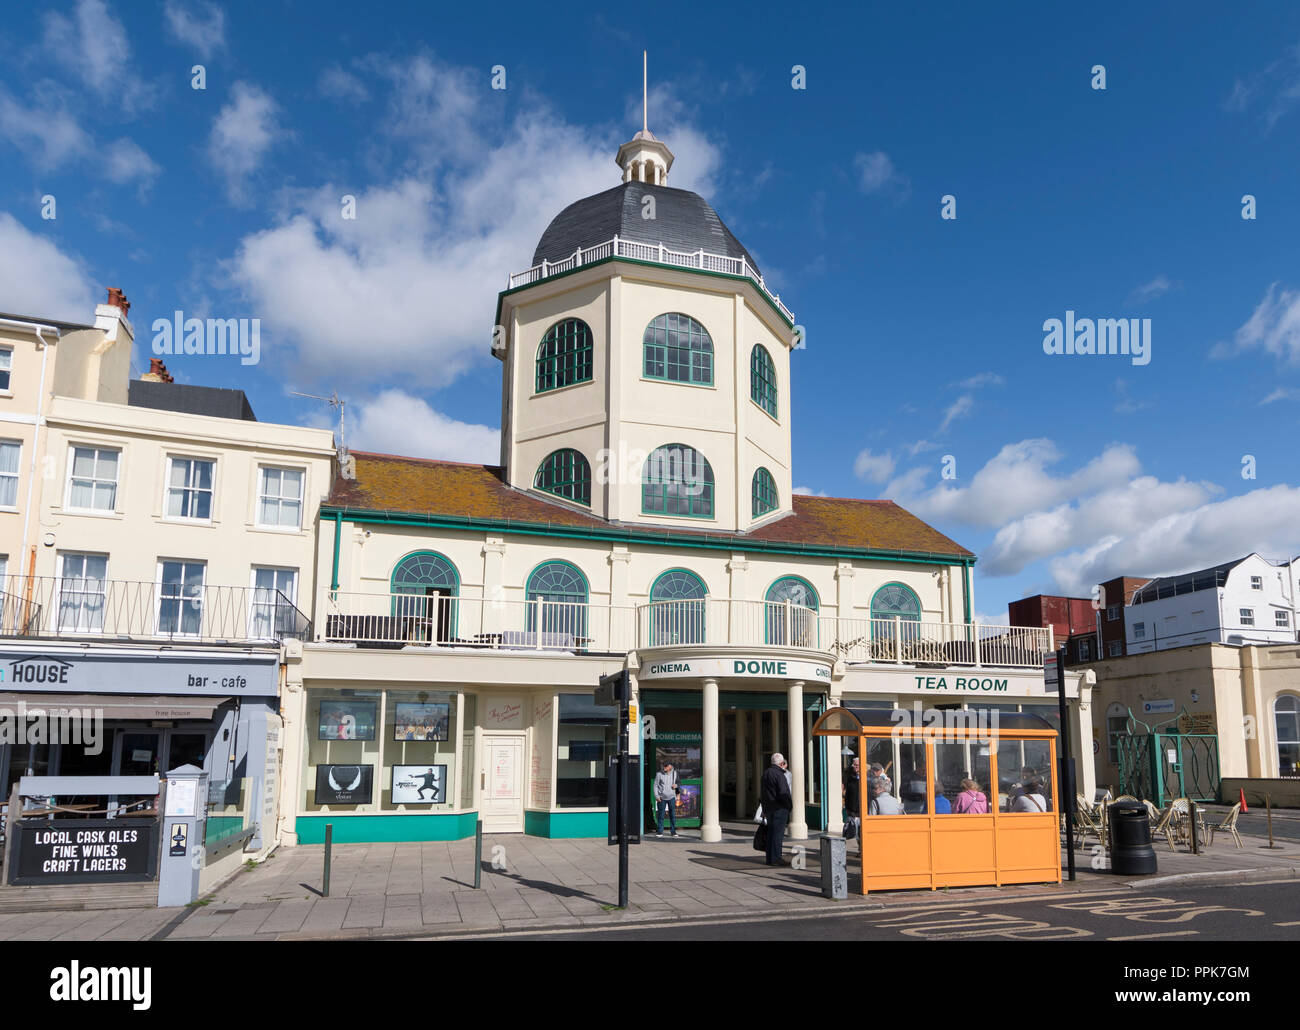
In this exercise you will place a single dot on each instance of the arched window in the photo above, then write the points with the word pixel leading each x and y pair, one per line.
pixel 895 601
pixel 1286 718
pixel 677 609
pixel 558 591
pixel 565 473
pixel 763 493
pixel 679 349
pixel 564 357
pixel 677 480
pixel 762 379
pixel 797 622
pixel 423 575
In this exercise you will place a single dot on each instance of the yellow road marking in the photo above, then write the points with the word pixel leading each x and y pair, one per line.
pixel 1153 936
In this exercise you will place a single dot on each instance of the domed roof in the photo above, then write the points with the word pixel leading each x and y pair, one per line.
pixel 683 221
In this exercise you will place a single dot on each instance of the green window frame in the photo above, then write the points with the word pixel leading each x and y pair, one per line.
pixel 895 600
pixel 763 493
pixel 803 625
pixel 565 473
pixel 762 379
pixel 564 356
pixel 678 349
pixel 563 592
pixel 679 615
pixel 421 574
pixel 677 480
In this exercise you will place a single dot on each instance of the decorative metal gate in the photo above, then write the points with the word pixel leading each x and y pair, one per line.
pixel 1162 765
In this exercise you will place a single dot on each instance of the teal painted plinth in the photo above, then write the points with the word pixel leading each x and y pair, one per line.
pixel 367 829
pixel 566 824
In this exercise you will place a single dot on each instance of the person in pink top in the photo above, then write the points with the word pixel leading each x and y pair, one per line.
pixel 971 799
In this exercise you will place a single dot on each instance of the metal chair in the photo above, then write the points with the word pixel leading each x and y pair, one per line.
pixel 1229 825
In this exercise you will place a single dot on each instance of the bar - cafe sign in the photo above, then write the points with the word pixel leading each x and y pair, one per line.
pixel 142 674
pixel 740 667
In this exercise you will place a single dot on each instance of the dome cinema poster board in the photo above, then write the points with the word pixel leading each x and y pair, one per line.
pixel 344 784
pixel 413 721
pixel 412 782
pixel 346 720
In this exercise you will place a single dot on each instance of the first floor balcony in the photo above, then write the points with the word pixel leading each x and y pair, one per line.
pixel 185 610
pixel 439 619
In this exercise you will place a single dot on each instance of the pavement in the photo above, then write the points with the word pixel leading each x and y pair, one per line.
pixel 427 889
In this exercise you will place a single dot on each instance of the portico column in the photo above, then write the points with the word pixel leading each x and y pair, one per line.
pixel 710 827
pixel 742 795
pixel 795 757
pixel 834 761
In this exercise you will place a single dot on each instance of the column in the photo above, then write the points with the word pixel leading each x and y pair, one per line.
pixel 795 758
pixel 492 616
pixel 742 742
pixel 756 757
pixel 834 781
pixel 710 827
pixel 1085 765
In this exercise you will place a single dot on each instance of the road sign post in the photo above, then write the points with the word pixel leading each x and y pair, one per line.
pixel 624 776
pixel 1054 680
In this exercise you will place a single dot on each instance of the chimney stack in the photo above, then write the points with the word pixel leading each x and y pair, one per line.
pixel 118 299
pixel 157 372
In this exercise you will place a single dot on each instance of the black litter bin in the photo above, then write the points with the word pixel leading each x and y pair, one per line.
pixel 1131 853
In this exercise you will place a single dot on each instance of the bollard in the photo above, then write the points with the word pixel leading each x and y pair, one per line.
pixel 1268 810
pixel 329 844
pixel 478 854
pixel 1191 814
pixel 835 876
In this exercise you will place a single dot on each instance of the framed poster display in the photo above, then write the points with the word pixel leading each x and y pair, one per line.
pixel 413 721
pixel 344 784
pixel 346 720
pixel 419 784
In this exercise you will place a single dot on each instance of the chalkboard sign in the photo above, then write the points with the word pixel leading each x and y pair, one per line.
pixel 85 851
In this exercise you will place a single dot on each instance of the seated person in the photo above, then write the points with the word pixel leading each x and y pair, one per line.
pixel 942 806
pixel 883 801
pixel 972 799
pixel 912 792
pixel 1031 800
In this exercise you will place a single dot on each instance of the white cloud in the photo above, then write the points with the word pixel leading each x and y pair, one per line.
pixel 1276 89
pixel 1157 287
pixel 1282 393
pixel 338 84
pixel 1265 520
pixel 37 280
pixel 94 45
pixel 395 422
pixel 1273 327
pixel 124 161
pixel 808 491
pixel 243 131
pixel 45 131
pixel 961 406
pixel 979 380
pixel 411 284
pixel 873 468
pixel 877 174
pixel 200 25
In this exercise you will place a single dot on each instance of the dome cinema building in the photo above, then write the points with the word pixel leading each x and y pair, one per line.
pixel 642 517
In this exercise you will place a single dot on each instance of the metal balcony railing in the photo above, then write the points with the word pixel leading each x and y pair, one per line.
pixel 654 253
pixel 438 619
pixel 105 609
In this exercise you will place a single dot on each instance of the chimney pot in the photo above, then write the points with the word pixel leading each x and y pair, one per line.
pixel 157 372
pixel 118 299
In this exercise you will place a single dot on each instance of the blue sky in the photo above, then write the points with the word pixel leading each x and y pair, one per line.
pixel 924 334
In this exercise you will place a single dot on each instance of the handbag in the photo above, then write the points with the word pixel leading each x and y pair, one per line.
pixel 851 827
pixel 760 837
pixel 759 817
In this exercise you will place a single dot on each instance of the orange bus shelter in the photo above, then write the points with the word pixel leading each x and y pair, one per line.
pixel 1015 841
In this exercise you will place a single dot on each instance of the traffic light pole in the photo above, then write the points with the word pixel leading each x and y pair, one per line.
pixel 1067 795
pixel 624 789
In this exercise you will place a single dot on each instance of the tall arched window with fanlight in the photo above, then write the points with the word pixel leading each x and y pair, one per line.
pixel 792 606
pixel 677 603
pixel 1286 721
pixel 565 473
pixel 895 605
pixel 677 348
pixel 417 579
pixel 557 592
pixel 564 356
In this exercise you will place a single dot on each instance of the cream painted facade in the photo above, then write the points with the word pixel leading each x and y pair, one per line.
pixel 1230 691
pixel 621 414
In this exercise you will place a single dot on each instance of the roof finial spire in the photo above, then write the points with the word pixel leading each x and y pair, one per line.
pixel 645 94
pixel 644 158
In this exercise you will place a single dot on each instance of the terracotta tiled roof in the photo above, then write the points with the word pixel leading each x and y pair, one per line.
pixel 420 487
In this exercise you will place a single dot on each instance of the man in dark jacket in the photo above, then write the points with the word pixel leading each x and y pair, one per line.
pixel 777 803
pixel 853 797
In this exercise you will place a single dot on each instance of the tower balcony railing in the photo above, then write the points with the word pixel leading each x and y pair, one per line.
pixel 85 608
pixel 654 253
pixel 442 620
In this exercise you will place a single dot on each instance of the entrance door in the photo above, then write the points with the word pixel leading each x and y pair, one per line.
pixel 502 775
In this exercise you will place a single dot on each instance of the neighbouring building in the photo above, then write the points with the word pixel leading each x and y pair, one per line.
pixel 642 517
pixel 1073 621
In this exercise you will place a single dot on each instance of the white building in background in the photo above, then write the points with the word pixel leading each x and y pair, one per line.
pixel 1248 601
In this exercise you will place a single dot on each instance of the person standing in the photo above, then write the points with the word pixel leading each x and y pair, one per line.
pixel 853 798
pixel 774 791
pixel 665 792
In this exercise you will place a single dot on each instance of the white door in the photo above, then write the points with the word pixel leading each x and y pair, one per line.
pixel 502 802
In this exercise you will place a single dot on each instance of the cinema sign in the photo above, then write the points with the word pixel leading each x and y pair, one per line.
pixel 748 667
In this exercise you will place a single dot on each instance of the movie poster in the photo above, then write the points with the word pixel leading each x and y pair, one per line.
pixel 346 720
pixel 419 784
pixel 344 784
pixel 412 721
